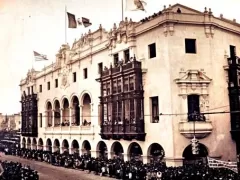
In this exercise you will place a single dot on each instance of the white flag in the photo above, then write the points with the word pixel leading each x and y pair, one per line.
pixel 213 163
pixel 39 57
pixel 135 5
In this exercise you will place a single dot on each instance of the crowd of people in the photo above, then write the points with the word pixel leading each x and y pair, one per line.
pixel 133 169
pixel 17 171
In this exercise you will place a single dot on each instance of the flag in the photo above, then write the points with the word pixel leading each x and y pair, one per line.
pixel 39 57
pixel 135 5
pixel 84 21
pixel 71 20
pixel 213 163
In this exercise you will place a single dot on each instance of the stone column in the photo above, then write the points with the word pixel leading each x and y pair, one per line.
pixel 53 118
pixel 61 116
pixel 81 114
pixel 70 116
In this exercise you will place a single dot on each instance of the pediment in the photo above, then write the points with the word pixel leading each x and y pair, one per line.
pixel 185 9
pixel 193 76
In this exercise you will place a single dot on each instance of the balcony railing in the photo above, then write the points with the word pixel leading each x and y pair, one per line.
pixel 79 130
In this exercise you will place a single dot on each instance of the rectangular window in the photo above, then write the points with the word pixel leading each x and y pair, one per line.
pixel 74 77
pixel 56 83
pixel 40 120
pixel 154 109
pixel 232 51
pixel 48 85
pixel 190 46
pixel 85 73
pixel 194 108
pixel 126 55
pixel 115 59
pixel 152 50
pixel 40 88
pixel 100 68
pixel 28 90
pixel 31 89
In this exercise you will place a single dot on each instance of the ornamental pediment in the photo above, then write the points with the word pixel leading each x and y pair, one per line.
pixel 193 76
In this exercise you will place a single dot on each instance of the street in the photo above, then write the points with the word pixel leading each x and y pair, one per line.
pixel 49 172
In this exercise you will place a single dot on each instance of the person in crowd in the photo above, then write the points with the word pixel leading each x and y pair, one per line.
pixel 128 170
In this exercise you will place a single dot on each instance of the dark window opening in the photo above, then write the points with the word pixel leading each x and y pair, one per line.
pixel 40 88
pixel 115 59
pixel 152 50
pixel 31 89
pixel 126 55
pixel 56 83
pixel 194 108
pixel 190 46
pixel 40 119
pixel 100 68
pixel 48 85
pixel 74 77
pixel 155 109
pixel 85 73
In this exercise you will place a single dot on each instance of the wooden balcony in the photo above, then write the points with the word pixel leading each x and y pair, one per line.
pixel 126 132
pixel 73 130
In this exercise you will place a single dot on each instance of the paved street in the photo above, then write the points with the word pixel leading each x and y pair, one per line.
pixel 49 172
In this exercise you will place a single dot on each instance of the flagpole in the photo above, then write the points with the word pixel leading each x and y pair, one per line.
pixel 122 10
pixel 65 24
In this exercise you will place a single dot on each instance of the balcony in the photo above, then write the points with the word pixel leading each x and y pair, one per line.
pixel 73 130
pixel 126 132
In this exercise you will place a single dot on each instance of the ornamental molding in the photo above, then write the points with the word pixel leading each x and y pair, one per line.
pixel 193 82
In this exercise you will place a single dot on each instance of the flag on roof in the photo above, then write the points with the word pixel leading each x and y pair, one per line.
pixel 39 57
pixel 72 23
pixel 84 21
pixel 135 5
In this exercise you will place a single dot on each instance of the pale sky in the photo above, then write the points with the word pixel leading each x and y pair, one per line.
pixel 27 25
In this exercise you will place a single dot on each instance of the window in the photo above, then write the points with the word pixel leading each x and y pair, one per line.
pixel 85 73
pixel 40 88
pixel 154 109
pixel 190 46
pixel 56 83
pixel 232 51
pixel 28 90
pixel 238 77
pixel 40 119
pixel 152 50
pixel 194 108
pixel 74 77
pixel 48 85
pixel 115 59
pixel 31 89
pixel 100 68
pixel 126 55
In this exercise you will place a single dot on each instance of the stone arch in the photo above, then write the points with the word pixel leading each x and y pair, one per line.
pixel 56 145
pixel 135 151
pixel 65 112
pixel 190 158
pixel 29 143
pixel 57 112
pixel 155 153
pixel 49 115
pixel 23 142
pixel 65 146
pixel 40 144
pixel 75 110
pixel 86 102
pixel 117 150
pixel 86 147
pixel 102 149
pixel 34 143
pixel 75 146
pixel 49 145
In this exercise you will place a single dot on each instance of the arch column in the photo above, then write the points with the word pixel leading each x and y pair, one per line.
pixel 70 116
pixel 61 116
pixel 53 118
pixel 81 114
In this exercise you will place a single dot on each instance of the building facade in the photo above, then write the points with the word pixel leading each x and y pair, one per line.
pixel 143 89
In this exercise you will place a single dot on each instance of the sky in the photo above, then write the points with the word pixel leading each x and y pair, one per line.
pixel 39 25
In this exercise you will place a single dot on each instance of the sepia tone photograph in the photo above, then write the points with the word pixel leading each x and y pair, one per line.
pixel 119 89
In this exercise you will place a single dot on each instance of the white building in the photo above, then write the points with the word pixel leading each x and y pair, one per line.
pixel 181 53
